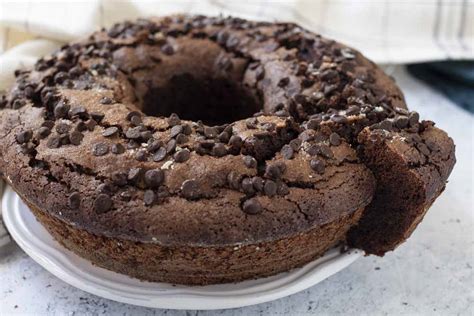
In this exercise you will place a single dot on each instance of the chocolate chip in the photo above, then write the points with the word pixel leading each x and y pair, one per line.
pixel 105 188
pixel 135 174
pixel 190 189
pixel 154 145
pixel 326 151
pixel 273 171
pixel 167 49
pixel 247 186
pixel 105 100
pixel 146 135
pixel 174 119
pixel 74 200
pixel 160 154
pixel 133 133
pixel 154 178
pixel 117 149
pixel 175 130
pixel 17 104
pixel 219 150
pixel 313 124
pixel 223 137
pixel 270 127
pixel 100 149
pixel 386 125
pixel 102 203
pixel 287 152
pixel 182 139
pixel 61 110
pixel 235 141
pixel 233 178
pixel 64 139
pixel 252 206
pixel 336 118
pixel 187 130
pixel 78 111
pixel 259 73
pixel 119 178
pixel 334 139
pixel 413 118
pixel 317 165
pixel 250 162
pixel 171 146
pixel 54 142
pixel 352 110
pixel 313 150
pixel 136 120
pixel 63 128
pixel 75 138
pixel 270 188
pixel 258 183
pixel 97 116
pixel 182 155
pixel 24 136
pixel 90 124
pixel 110 131
pixel 82 127
pixel 132 114
pixel 401 122
pixel 126 196
pixel 295 144
pixel 251 123
pixel 48 123
pixel 133 144
pixel 141 155
pixel 283 82
pixel 149 197
pixel 210 132
pixel 43 132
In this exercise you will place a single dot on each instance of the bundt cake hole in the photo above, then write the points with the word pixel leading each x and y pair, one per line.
pixel 214 101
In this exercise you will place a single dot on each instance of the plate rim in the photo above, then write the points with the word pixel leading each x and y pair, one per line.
pixel 60 264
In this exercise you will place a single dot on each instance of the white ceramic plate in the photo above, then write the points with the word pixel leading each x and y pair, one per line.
pixel 78 272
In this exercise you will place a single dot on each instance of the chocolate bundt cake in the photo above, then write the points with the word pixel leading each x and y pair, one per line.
pixel 199 150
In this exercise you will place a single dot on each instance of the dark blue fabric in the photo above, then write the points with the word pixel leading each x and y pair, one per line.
pixel 455 79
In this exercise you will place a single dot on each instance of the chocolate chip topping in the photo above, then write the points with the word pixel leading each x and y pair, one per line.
pixel 317 165
pixel 182 155
pixel 100 149
pixel 75 138
pixel 190 189
pixel 149 197
pixel 74 200
pixel 102 204
pixel 24 136
pixel 160 154
pixel 110 131
pixel 287 152
pixel 117 149
pixel 270 188
pixel 334 139
pixel 154 178
pixel 250 162
pixel 252 206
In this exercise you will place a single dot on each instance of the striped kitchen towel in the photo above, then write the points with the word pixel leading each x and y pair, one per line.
pixel 387 31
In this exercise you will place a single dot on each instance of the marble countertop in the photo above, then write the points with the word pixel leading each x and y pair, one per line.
pixel 432 273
